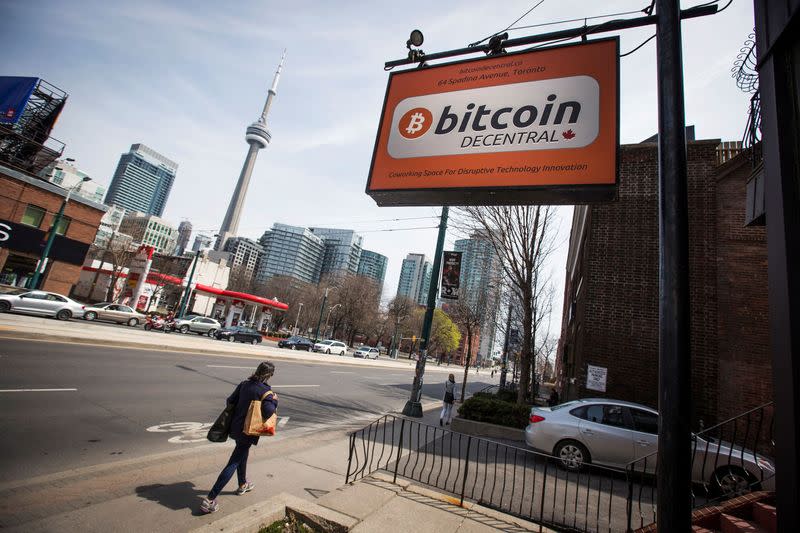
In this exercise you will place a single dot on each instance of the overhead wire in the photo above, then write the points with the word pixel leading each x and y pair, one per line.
pixel 476 43
pixel 643 43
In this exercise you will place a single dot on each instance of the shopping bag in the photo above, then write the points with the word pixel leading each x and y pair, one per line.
pixel 254 423
pixel 221 428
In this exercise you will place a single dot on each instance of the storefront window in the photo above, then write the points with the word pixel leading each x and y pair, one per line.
pixel 33 216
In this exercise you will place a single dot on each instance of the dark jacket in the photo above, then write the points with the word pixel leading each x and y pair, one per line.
pixel 247 391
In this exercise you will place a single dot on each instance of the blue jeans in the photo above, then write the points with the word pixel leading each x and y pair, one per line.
pixel 237 462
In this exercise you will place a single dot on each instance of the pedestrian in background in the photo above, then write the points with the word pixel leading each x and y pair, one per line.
pixel 253 388
pixel 449 399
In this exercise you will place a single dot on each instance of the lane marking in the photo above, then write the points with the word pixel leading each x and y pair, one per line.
pixel 334 372
pixel 38 390
pixel 291 386
pixel 229 366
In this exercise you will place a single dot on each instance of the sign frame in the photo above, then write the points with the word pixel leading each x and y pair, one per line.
pixel 497 195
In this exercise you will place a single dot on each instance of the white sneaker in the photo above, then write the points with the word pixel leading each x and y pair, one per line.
pixel 209 506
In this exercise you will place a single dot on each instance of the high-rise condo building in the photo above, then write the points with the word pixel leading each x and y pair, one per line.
pixel 342 249
pixel 373 265
pixel 415 278
pixel 184 233
pixel 291 251
pixel 245 256
pixel 142 181
pixel 150 230
pixel 69 176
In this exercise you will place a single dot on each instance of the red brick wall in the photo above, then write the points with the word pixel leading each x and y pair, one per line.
pixel 616 323
pixel 15 195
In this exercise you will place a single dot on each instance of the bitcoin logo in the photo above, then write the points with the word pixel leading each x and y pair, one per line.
pixel 415 123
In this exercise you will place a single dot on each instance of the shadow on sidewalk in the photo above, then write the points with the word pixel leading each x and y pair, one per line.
pixel 175 496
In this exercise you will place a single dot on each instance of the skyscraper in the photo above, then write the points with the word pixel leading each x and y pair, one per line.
pixel 184 233
pixel 142 181
pixel 479 265
pixel 245 256
pixel 291 251
pixel 342 249
pixel 150 230
pixel 258 137
pixel 415 278
pixel 373 265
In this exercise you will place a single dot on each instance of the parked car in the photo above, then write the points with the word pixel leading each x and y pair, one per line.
pixel 197 324
pixel 615 433
pixel 238 334
pixel 296 343
pixel 121 314
pixel 41 303
pixel 367 352
pixel 331 346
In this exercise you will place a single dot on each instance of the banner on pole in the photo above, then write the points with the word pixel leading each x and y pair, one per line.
pixel 451 275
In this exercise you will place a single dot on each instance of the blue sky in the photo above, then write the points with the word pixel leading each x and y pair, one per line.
pixel 187 77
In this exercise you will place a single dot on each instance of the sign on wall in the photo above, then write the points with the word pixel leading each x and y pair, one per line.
pixel 540 126
pixel 27 239
pixel 596 378
pixel 451 275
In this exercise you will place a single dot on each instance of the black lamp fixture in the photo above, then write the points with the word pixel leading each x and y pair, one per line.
pixel 415 39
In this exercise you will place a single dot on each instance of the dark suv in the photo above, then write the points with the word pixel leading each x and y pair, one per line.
pixel 296 343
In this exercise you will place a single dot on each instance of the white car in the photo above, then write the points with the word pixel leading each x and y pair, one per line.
pixel 41 303
pixel 330 347
pixel 367 352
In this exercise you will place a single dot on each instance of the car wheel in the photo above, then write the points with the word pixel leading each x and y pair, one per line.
pixel 90 316
pixel 5 306
pixel 211 332
pixel 572 455
pixel 148 327
pixel 231 339
pixel 328 351
pixel 133 322
pixel 184 329
pixel 729 481
pixel 64 314
pixel 293 347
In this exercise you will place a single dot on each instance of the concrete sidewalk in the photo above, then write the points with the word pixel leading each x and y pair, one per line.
pixel 78 331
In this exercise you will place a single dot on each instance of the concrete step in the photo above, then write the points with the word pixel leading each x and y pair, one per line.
pixel 734 524
pixel 766 516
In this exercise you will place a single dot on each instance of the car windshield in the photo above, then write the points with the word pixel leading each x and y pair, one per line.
pixel 325 342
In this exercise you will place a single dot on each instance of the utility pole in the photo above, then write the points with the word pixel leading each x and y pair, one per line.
pixel 187 293
pixel 297 322
pixel 413 406
pixel 674 468
pixel 321 311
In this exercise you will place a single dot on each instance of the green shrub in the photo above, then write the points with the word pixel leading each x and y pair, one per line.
pixel 483 407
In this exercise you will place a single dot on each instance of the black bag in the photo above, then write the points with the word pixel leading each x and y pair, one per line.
pixel 449 398
pixel 222 427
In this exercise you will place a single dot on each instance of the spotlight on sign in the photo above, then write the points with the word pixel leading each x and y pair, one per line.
pixel 416 39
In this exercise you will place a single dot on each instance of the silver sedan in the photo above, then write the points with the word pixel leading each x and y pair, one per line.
pixel 41 303
pixel 615 433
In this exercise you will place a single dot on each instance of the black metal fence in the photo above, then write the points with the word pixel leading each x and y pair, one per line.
pixel 507 478
pixel 729 459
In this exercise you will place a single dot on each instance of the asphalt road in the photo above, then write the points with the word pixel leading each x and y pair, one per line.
pixel 130 403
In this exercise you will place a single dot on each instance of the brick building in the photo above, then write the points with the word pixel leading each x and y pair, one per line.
pixel 610 318
pixel 28 206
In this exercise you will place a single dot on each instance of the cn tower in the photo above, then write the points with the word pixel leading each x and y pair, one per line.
pixel 258 137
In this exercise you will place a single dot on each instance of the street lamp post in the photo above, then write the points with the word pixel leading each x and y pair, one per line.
pixel 330 310
pixel 321 311
pixel 413 406
pixel 504 369
pixel 297 322
pixel 37 275
pixel 188 292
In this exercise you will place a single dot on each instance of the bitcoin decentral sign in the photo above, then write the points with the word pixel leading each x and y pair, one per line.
pixel 530 127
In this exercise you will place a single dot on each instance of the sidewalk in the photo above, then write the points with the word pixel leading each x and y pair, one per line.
pixel 163 493
pixel 78 331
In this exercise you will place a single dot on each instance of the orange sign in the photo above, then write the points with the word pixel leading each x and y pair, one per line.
pixel 529 127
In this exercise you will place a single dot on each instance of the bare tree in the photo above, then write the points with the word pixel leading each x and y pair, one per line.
pixel 470 316
pixel 119 256
pixel 285 289
pixel 164 270
pixel 400 309
pixel 523 238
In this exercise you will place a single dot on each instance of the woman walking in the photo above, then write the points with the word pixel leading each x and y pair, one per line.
pixel 253 388
pixel 449 398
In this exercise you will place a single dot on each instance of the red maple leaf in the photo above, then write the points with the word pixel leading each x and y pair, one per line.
pixel 568 134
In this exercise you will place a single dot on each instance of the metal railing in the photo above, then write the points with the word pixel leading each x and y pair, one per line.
pixel 728 459
pixel 507 478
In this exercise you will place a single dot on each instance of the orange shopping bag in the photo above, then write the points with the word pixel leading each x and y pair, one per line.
pixel 254 423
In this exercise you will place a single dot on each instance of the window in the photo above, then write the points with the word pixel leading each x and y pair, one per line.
pixel 608 415
pixel 644 421
pixel 63 224
pixel 34 295
pixel 614 415
pixel 55 298
pixel 33 216
pixel 125 309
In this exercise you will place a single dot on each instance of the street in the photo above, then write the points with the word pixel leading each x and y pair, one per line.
pixel 103 404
